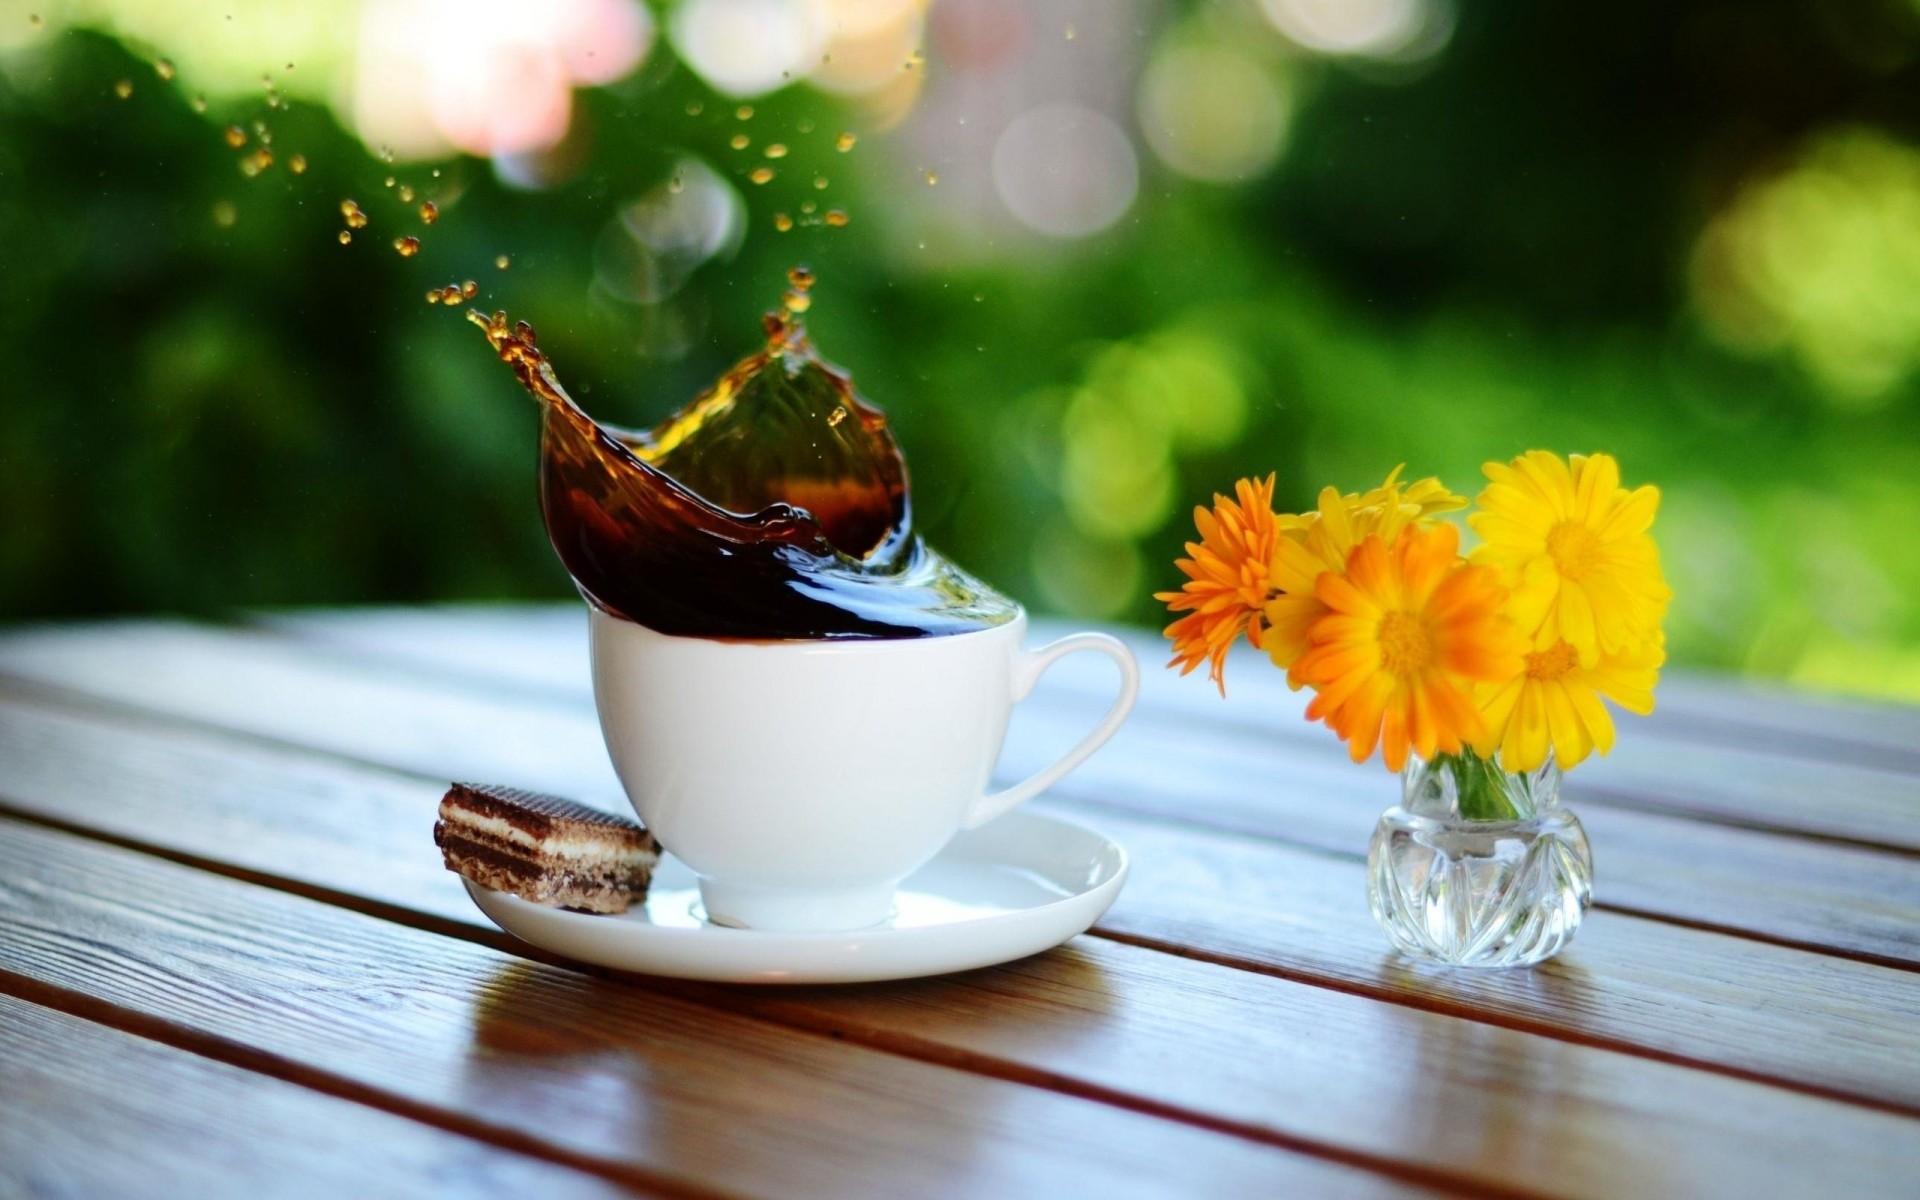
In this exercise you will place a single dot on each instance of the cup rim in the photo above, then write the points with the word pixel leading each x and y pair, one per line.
pixel 852 645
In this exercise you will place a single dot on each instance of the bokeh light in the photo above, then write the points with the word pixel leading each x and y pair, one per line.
pixel 1823 261
pixel 746 48
pixel 1211 112
pixel 1384 29
pixel 1065 170
pixel 490 77
pixel 657 242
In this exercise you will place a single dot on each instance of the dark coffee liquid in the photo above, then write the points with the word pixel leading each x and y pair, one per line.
pixel 773 506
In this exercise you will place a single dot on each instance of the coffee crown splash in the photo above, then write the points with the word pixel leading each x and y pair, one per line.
pixel 775 506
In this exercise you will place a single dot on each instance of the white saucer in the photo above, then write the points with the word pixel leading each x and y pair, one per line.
pixel 1015 886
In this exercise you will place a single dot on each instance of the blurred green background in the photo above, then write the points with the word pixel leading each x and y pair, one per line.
pixel 1100 259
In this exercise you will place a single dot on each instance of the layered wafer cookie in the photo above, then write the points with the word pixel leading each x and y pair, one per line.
pixel 544 848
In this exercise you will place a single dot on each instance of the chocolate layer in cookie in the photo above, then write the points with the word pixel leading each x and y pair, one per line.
pixel 544 848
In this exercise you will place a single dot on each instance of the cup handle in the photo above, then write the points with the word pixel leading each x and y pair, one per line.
pixel 1034 664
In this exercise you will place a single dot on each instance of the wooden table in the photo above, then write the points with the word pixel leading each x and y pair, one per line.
pixel 230 960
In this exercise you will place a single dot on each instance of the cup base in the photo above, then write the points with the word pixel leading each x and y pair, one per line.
pixel 794 910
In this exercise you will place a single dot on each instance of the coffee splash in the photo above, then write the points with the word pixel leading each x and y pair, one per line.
pixel 775 506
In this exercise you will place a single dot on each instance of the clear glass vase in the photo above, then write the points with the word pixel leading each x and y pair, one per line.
pixel 1479 867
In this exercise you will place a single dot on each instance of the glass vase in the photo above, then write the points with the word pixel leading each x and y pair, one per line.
pixel 1479 867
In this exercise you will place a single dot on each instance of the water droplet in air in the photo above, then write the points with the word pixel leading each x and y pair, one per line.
pixel 740 141
pixel 844 142
pixel 836 217
pixel 782 222
pixel 429 212
pixel 123 89
pixel 761 174
pixel 744 112
pixel 407 246
pixel 163 68
pixel 776 150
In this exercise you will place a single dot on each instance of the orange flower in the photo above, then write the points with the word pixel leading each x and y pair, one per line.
pixel 1320 540
pixel 1408 633
pixel 1227 579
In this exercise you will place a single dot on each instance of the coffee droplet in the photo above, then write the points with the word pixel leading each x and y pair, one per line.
pixel 933 177
pixel 236 136
pixel 695 108
pixel 740 141
pixel 433 295
pixel 163 68
pixel 761 174
pixel 838 415
pixel 345 238
pixel 429 212
pixel 256 162
pixel 469 289
pixel 225 214
pixel 405 193
pixel 123 89
pixel 804 125
pixel 744 112
pixel 820 182
pixel 356 219
pixel 200 104
pixel 297 164
pixel 389 182
pixel 836 217
pixel 782 222
pixel 407 246
pixel 503 262
pixel 776 150
pixel 844 142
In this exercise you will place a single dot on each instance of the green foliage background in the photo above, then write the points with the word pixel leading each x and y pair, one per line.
pixel 200 418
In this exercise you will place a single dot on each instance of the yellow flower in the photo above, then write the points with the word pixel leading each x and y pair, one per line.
pixel 1322 539
pixel 1408 633
pixel 1568 531
pixel 1554 703
pixel 1226 579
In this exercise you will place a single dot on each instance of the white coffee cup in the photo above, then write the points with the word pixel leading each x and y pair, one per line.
pixel 803 780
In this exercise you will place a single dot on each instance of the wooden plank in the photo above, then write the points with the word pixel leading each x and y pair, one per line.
pixel 1863 903
pixel 1854 900
pixel 353 833
pixel 543 646
pixel 644 1085
pixel 1864 794
pixel 92 1111
pixel 1235 1050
